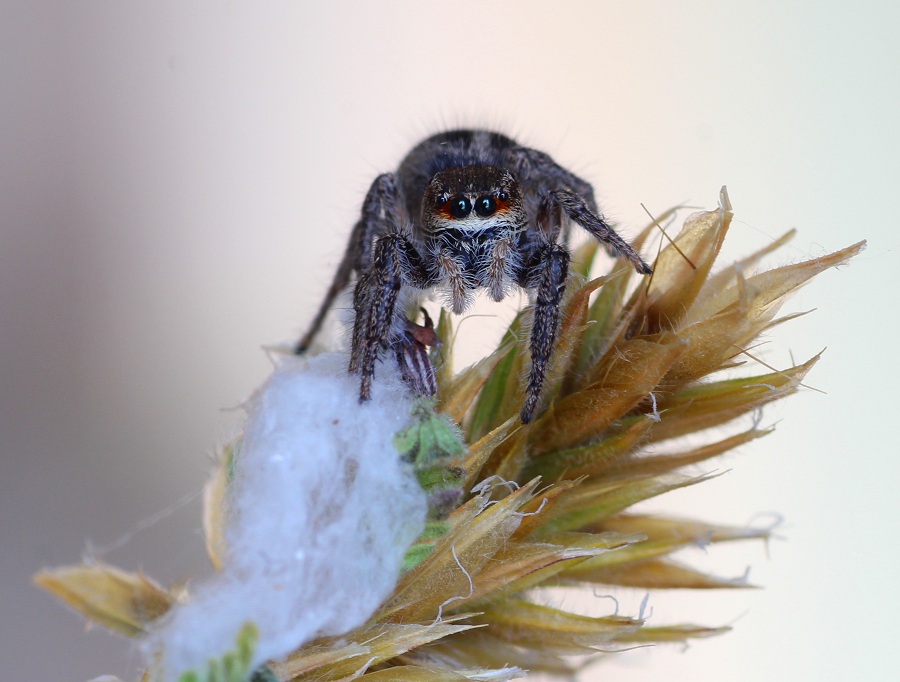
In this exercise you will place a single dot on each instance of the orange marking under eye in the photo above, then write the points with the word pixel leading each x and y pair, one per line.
pixel 444 211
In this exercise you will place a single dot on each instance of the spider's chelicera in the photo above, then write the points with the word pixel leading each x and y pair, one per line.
pixel 466 210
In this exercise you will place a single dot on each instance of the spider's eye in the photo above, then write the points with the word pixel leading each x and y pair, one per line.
pixel 503 196
pixel 485 206
pixel 460 208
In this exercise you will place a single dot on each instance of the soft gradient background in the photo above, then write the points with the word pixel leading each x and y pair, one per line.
pixel 178 181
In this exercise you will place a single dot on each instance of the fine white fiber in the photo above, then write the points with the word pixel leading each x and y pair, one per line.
pixel 321 511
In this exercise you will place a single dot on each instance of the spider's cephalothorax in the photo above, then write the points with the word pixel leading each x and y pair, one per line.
pixel 466 210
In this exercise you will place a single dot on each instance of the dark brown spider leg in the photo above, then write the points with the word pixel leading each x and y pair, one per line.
pixel 540 168
pixel 379 213
pixel 552 269
pixel 576 208
pixel 395 262
pixel 549 220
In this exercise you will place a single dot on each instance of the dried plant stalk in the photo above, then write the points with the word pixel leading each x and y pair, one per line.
pixel 637 364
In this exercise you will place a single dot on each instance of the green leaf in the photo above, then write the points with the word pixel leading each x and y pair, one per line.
pixel 234 665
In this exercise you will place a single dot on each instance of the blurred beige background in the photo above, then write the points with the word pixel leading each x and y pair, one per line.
pixel 178 181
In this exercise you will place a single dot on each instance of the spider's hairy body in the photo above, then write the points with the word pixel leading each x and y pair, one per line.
pixel 466 210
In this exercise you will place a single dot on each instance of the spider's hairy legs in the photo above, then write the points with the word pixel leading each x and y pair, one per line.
pixel 578 210
pixel 576 197
pixel 395 263
pixel 379 214
pixel 552 268
pixel 538 166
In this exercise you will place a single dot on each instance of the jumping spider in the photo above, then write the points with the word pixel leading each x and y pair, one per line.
pixel 467 209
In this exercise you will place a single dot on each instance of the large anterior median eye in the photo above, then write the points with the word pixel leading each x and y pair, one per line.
pixel 485 206
pixel 460 207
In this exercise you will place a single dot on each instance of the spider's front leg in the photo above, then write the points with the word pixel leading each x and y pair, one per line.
pixel 380 210
pixel 539 166
pixel 576 197
pixel 578 210
pixel 395 263
pixel 550 272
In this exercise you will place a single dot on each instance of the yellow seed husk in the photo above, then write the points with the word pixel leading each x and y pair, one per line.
pixel 121 601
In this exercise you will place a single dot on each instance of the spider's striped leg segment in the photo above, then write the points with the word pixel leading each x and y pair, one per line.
pixel 549 276
pixel 411 350
pixel 380 212
pixel 395 262
pixel 577 210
